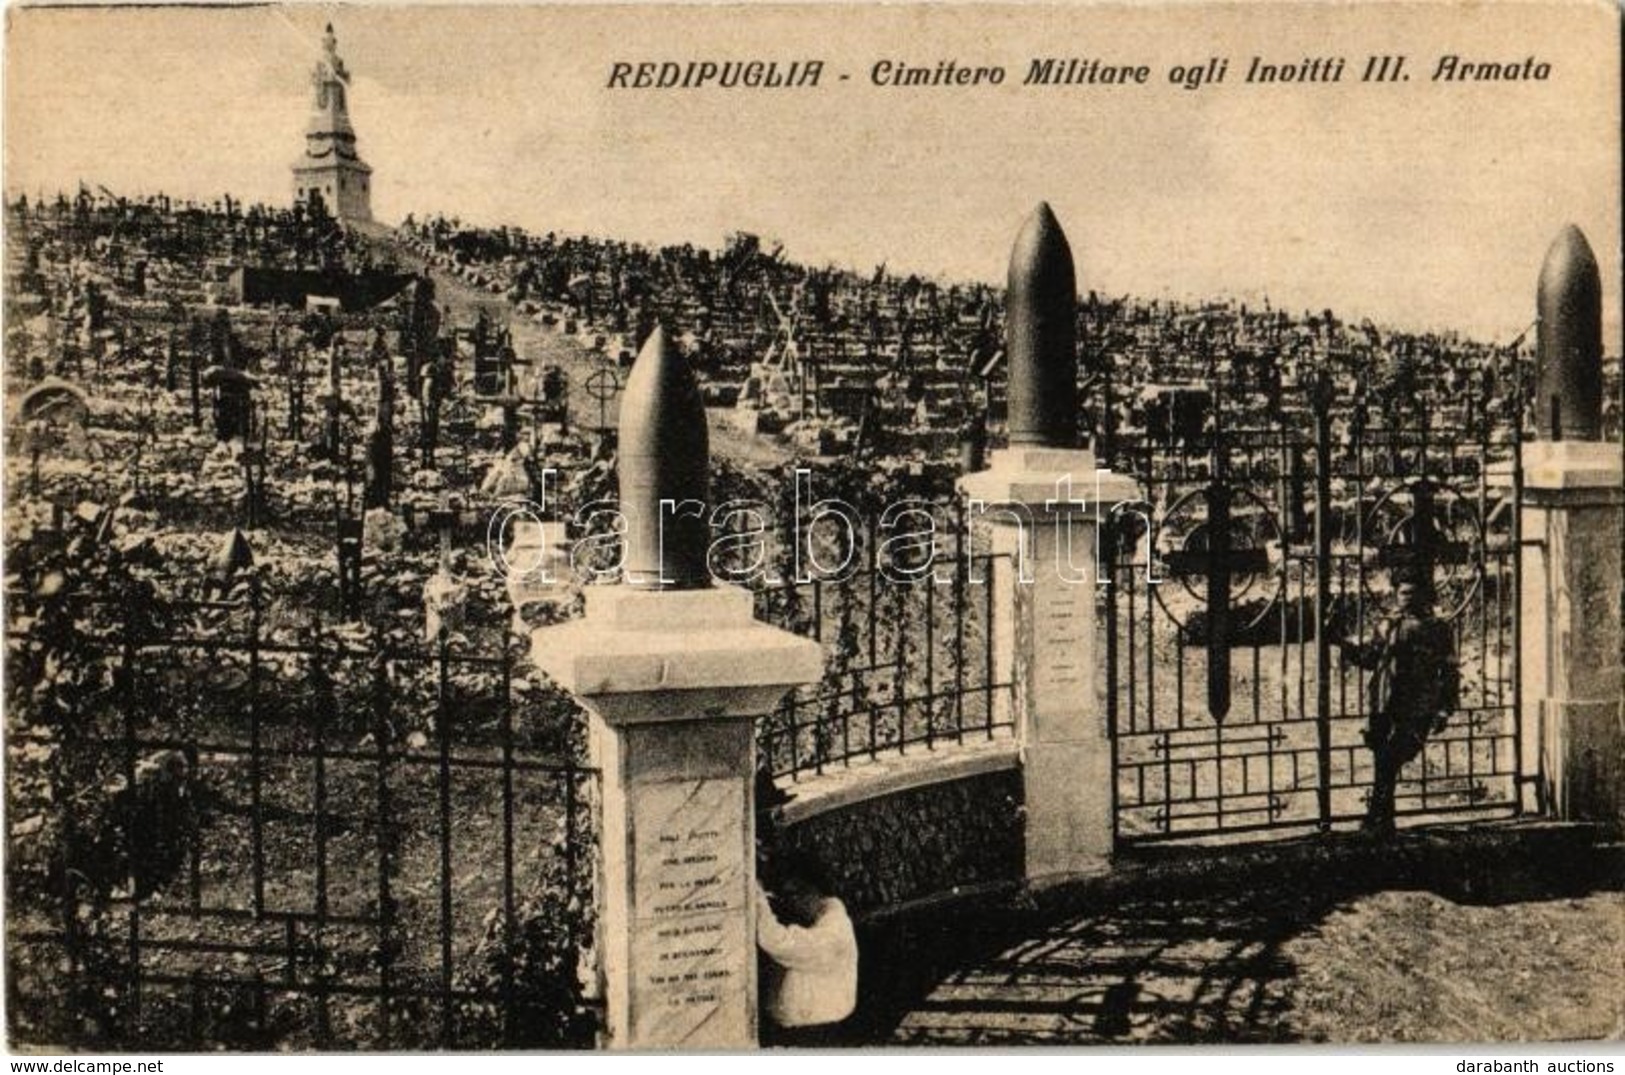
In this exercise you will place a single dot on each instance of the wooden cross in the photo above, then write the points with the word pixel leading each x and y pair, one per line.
pixel 444 520
pixel 350 530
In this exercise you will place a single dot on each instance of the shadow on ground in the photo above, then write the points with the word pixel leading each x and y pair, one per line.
pixel 1190 945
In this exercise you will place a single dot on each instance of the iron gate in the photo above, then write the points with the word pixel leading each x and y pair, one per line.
pixel 1232 707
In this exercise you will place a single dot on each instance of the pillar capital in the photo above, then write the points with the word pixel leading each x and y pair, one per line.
pixel 1574 473
pixel 1049 483
pixel 641 656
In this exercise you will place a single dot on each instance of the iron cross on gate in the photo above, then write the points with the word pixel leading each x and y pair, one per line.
pixel 1211 553
pixel 1420 542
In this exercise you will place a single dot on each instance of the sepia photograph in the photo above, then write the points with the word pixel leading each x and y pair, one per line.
pixel 704 528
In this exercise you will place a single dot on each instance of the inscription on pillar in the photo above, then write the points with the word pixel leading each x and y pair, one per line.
pixel 690 988
pixel 1062 678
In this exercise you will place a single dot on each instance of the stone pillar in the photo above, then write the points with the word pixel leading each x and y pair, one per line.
pixel 671 680
pixel 1573 725
pixel 671 669
pixel 1043 509
pixel 1044 498
pixel 1573 524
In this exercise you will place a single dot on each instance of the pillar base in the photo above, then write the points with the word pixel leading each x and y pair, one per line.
pixel 1585 760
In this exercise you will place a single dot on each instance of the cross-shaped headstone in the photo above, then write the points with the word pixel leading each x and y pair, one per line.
pixel 36 435
pixel 196 372
pixel 253 460
pixel 444 521
pixel 602 385
pixel 510 420
pixel 537 406
pixel 296 398
pixel 461 427
pixel 380 466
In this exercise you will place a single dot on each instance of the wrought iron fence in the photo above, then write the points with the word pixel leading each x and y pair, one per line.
pixel 910 659
pixel 227 833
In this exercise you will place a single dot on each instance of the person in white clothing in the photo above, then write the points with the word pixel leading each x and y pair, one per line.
pixel 811 978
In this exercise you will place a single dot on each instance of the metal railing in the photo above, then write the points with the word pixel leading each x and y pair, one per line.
pixel 910 659
pixel 247 840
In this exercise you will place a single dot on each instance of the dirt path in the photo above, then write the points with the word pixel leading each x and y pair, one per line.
pixel 539 345
pixel 543 345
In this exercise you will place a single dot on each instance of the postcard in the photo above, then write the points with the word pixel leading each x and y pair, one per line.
pixel 707 527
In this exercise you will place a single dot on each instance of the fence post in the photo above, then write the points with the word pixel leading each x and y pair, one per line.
pixel 671 670
pixel 1572 514
pixel 1043 500
pixel 1324 567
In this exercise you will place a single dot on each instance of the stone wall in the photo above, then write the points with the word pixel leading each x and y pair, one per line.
pixel 923 842
pixel 290 287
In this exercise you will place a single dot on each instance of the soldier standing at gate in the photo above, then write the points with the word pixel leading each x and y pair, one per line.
pixel 1415 687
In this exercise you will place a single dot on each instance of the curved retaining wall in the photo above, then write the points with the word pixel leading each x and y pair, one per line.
pixel 912 829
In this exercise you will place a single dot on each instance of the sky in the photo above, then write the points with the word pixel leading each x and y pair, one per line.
pixel 1420 204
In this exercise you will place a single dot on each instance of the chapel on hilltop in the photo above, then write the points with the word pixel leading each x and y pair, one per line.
pixel 331 170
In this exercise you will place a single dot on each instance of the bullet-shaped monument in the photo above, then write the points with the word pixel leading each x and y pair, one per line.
pixel 1569 576
pixel 1041 335
pixel 664 471
pixel 672 671
pixel 1041 608
pixel 1568 379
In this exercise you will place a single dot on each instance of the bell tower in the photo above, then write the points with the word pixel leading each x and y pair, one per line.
pixel 330 170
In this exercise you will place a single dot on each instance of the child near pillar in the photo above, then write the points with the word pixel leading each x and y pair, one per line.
pixel 811 982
